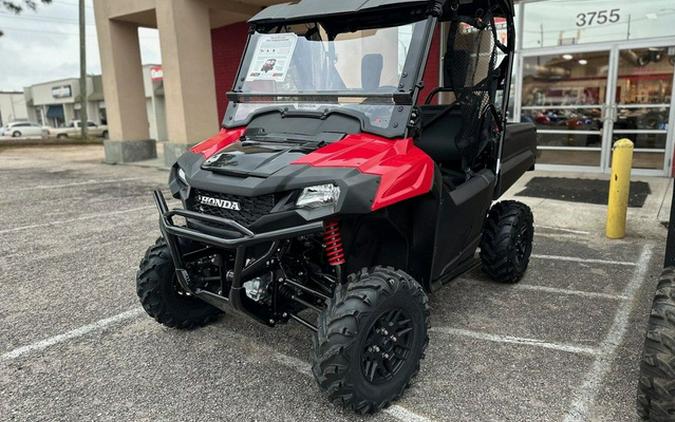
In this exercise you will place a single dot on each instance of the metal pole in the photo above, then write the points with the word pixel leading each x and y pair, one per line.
pixel 84 119
pixel 619 189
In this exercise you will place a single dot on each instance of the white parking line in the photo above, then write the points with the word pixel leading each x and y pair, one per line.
pixel 72 220
pixel 300 366
pixel 570 348
pixel 569 292
pixel 397 411
pixel 68 185
pixel 585 397
pixel 78 332
pixel 583 260
pixel 562 230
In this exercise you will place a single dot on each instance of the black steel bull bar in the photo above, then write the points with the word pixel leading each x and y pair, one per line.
pixel 244 239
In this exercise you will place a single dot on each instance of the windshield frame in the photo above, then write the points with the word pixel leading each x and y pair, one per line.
pixel 402 99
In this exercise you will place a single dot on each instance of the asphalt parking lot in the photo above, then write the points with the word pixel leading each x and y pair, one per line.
pixel 563 345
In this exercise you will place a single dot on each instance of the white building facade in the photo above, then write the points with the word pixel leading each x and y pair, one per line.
pixel 57 103
pixel 12 107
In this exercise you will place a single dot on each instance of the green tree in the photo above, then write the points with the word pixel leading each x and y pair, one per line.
pixel 17 7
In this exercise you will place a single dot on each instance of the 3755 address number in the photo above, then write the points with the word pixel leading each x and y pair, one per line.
pixel 599 17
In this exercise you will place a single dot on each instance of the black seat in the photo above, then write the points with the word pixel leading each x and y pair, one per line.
pixel 441 126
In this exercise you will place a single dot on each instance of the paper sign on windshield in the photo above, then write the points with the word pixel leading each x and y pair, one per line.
pixel 272 57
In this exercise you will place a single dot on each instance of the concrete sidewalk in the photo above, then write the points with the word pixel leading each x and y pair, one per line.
pixel 646 222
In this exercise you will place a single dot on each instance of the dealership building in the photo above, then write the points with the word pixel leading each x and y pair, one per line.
pixel 587 73
pixel 57 103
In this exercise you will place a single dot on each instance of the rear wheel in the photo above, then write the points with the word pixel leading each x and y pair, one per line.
pixel 656 389
pixel 161 295
pixel 371 339
pixel 506 243
pixel 61 136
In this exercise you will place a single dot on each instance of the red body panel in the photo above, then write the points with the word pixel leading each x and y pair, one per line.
pixel 405 170
pixel 214 144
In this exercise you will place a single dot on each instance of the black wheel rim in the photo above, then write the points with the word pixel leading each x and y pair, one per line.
pixel 522 245
pixel 387 346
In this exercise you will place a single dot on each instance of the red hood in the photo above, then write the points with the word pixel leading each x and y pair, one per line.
pixel 405 170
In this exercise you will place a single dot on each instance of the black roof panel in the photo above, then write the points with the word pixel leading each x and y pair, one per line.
pixel 298 10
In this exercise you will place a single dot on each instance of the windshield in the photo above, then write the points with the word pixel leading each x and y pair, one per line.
pixel 302 67
pixel 304 60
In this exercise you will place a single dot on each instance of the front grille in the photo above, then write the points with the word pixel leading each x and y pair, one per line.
pixel 252 208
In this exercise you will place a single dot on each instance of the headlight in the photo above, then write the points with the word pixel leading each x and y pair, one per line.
pixel 318 196
pixel 181 176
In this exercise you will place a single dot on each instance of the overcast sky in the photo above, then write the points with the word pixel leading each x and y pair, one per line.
pixel 44 45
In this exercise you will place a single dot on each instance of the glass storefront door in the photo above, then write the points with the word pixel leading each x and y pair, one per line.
pixel 642 106
pixel 582 101
pixel 564 95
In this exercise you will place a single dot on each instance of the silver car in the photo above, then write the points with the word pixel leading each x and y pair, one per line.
pixel 23 129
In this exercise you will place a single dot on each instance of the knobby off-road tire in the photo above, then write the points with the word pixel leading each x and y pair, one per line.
pixel 656 389
pixel 506 243
pixel 343 354
pixel 160 294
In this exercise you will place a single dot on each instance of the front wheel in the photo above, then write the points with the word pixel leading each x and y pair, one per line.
pixel 16 134
pixel 506 243
pixel 162 298
pixel 371 339
pixel 656 388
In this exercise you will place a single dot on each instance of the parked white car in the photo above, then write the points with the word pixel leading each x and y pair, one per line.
pixel 23 130
pixel 73 130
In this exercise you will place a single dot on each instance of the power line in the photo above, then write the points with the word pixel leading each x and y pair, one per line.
pixel 64 34
pixel 42 19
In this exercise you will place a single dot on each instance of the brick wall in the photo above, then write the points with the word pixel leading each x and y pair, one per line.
pixel 228 45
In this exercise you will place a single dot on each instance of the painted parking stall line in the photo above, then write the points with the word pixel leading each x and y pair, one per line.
pixel 569 292
pixel 70 335
pixel 564 230
pixel 72 185
pixel 397 411
pixel 582 405
pixel 498 338
pixel 583 260
pixel 74 220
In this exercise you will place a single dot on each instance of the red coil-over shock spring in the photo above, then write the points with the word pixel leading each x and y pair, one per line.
pixel 333 239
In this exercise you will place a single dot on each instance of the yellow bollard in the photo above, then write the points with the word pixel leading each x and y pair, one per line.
pixel 619 188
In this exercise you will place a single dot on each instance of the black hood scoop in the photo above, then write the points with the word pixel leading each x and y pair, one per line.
pixel 263 157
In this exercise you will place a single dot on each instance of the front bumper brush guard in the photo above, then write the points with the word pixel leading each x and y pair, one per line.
pixel 171 233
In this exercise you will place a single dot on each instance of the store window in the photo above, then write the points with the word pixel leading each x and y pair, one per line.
pixel 564 95
pixel 643 97
pixel 567 22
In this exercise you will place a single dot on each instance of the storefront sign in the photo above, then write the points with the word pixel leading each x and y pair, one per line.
pixel 598 17
pixel 156 73
pixel 64 91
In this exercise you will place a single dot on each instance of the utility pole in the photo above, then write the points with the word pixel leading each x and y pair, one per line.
pixel 84 120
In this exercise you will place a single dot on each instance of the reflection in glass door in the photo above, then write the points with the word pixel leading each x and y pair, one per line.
pixel 644 88
pixel 564 95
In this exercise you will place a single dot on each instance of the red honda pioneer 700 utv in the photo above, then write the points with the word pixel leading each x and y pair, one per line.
pixel 334 188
